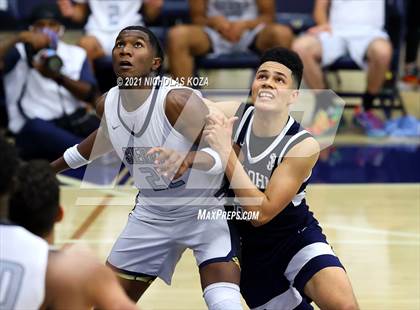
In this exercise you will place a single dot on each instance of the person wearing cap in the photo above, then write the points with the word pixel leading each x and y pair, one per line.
pixel 47 84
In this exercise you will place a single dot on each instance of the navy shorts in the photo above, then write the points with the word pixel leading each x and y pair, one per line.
pixel 274 275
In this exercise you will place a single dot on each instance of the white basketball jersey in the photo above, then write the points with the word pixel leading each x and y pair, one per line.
pixel 112 15
pixel 233 9
pixel 356 16
pixel 23 264
pixel 132 135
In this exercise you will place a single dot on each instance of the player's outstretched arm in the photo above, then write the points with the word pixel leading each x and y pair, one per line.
pixel 94 146
pixel 227 108
pixel 173 163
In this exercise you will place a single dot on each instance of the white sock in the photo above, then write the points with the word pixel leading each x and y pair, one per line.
pixel 223 296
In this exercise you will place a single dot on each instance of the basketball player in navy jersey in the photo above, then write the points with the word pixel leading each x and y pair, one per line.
pixel 286 261
pixel 136 118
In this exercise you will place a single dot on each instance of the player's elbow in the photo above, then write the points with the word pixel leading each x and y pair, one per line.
pixel 261 219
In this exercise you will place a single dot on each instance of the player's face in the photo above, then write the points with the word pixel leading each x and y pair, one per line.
pixel 273 88
pixel 133 55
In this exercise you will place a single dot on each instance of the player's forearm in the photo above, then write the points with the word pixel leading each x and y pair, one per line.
pixel 199 160
pixel 249 196
pixel 84 148
pixel 59 165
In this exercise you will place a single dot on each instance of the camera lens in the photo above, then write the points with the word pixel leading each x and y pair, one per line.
pixel 54 63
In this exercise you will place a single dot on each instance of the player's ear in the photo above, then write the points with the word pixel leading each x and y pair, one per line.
pixel 293 96
pixel 60 214
pixel 157 62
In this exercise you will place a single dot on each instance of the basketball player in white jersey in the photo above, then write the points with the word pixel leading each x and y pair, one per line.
pixel 224 27
pixel 22 276
pixel 33 276
pixel 106 19
pixel 164 221
pixel 286 261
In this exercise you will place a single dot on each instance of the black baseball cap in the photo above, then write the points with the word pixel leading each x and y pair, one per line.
pixel 46 11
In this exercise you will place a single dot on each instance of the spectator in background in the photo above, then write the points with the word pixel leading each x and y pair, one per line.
pixel 45 82
pixel 355 27
pixel 222 27
pixel 106 19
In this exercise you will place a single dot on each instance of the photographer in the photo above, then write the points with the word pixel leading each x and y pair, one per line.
pixel 46 82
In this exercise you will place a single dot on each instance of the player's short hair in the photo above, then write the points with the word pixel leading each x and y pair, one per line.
pixel 154 41
pixel 288 58
pixel 9 163
pixel 35 203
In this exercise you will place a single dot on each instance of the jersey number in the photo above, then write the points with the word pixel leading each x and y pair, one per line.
pixel 157 182
pixel 113 14
pixel 11 275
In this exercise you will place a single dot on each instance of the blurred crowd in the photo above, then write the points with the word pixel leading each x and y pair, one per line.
pixel 50 86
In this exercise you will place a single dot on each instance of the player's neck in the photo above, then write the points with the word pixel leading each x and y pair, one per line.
pixel 49 237
pixel 133 98
pixel 269 124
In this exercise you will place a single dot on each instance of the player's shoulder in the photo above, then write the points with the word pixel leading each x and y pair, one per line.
pixel 100 105
pixel 178 97
pixel 307 147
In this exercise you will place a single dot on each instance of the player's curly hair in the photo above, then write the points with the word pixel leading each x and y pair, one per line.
pixel 9 162
pixel 35 203
pixel 288 58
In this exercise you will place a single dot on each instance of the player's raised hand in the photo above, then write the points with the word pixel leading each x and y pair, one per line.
pixel 218 134
pixel 169 163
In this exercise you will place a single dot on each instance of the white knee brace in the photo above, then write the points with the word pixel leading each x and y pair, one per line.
pixel 223 296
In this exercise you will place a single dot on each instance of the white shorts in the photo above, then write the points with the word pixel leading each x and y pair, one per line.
pixel 335 45
pixel 222 46
pixel 152 247
pixel 106 39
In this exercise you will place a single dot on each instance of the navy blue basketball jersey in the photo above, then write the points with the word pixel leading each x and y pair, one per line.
pixel 261 156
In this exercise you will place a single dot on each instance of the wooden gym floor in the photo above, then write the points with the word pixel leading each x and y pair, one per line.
pixel 373 228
